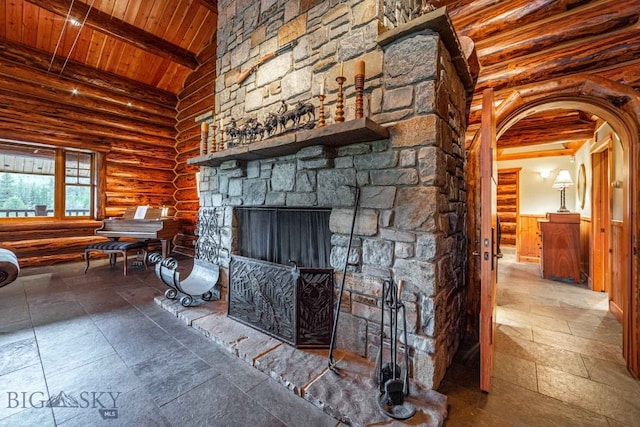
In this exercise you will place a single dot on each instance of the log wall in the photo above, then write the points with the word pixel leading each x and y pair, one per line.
pixel 133 126
pixel 195 99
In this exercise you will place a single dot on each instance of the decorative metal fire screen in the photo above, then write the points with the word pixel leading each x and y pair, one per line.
pixel 292 304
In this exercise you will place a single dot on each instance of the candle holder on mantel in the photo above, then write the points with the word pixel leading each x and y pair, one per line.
pixel 359 86
pixel 321 119
pixel 340 103
pixel 211 142
pixel 204 134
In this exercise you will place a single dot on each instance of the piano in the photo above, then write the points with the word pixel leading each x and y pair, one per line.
pixel 142 223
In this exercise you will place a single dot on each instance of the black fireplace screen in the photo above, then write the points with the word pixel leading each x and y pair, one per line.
pixel 282 234
pixel 292 304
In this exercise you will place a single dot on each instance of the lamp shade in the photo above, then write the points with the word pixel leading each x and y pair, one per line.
pixel 563 180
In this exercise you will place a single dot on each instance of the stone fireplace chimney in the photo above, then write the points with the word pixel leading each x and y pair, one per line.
pixel 411 222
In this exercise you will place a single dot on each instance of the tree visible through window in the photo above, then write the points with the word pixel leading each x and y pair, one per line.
pixel 29 176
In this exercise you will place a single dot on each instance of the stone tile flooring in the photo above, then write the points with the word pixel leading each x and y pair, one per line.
pixel 99 342
pixel 67 335
pixel 558 360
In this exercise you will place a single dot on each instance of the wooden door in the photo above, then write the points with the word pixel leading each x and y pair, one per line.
pixel 489 244
pixel 600 224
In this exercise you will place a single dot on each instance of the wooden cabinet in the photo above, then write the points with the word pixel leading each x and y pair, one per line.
pixel 560 255
pixel 528 249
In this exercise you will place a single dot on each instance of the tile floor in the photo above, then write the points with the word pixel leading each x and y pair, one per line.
pixel 107 345
pixel 558 360
pixel 99 342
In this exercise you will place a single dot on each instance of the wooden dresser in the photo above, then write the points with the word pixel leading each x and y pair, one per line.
pixel 560 255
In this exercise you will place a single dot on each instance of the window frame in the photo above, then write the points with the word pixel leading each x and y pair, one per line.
pixel 60 185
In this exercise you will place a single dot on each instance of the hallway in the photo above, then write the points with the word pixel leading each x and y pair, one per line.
pixel 558 360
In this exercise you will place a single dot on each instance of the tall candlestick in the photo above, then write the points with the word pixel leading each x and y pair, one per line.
pixel 219 143
pixel 340 102
pixel 321 119
pixel 359 86
pixel 204 134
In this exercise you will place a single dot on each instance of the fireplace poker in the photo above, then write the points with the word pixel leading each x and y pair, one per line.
pixel 332 362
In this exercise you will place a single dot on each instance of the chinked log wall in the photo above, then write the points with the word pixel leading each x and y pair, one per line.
pixel 138 142
pixel 196 98
pixel 597 37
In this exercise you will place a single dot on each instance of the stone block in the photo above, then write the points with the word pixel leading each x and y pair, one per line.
pixel 416 208
pixel 333 187
pixel 354 150
pixel 404 250
pixel 364 284
pixel 420 274
pixel 301 199
pixel 352 45
pixel 362 178
pixel 395 99
pixel 240 54
pixel 386 218
pixel 426 97
pixel 339 255
pixel 421 130
pixel 397 236
pixel 366 223
pixel 258 36
pixel 293 29
pixel 377 252
pixel 375 271
pixel 376 101
pixel 377 197
pixel 338 15
pixel 253 169
pixel 318 38
pixel 430 369
pixel 427 246
pixel 365 311
pixel 395 177
pixel 411 60
pixel 343 162
pixel 432 166
pixel 388 159
pixel 390 117
pixel 254 191
pixel 305 181
pixel 315 164
pixel 407 158
pixel 274 69
pixel 275 199
pixel 379 146
pixel 235 187
pixel 283 177
pixel 365 12
pixel 313 152
pixel 291 10
pixel 342 240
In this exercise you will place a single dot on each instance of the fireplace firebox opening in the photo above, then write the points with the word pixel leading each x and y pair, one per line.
pixel 285 235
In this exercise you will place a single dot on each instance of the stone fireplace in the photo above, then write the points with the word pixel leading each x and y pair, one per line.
pixel 406 157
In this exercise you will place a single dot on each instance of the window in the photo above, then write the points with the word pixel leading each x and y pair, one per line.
pixel 45 182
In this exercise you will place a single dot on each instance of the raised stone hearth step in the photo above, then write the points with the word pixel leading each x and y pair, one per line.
pixel 348 395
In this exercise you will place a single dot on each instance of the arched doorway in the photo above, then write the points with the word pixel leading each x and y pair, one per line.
pixel 620 107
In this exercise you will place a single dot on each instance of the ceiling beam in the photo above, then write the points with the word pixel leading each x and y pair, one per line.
pixel 104 23
pixel 536 155
pixel 212 5
pixel 18 60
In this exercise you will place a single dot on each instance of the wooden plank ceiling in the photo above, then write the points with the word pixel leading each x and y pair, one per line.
pixel 151 42
pixel 519 42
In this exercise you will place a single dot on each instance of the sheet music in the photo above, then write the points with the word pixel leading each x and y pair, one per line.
pixel 141 212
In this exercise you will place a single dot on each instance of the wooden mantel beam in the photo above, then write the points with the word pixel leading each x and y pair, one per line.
pixel 121 30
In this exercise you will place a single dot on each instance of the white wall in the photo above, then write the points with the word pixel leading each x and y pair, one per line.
pixel 583 157
pixel 537 197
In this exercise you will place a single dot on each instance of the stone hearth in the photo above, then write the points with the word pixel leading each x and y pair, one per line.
pixel 349 396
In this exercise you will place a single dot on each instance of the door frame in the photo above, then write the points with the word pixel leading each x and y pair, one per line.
pixel 619 105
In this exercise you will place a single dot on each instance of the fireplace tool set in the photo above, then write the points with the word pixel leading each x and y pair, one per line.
pixel 201 281
pixel 391 378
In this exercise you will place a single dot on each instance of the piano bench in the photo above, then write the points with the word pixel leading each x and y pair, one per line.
pixel 113 248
